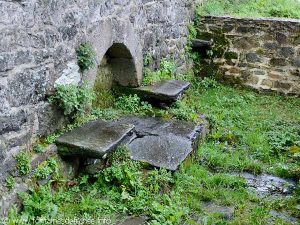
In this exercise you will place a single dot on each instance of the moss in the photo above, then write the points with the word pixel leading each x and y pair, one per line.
pixel 102 88
pixel 231 55
pixel 260 51
pixel 207 36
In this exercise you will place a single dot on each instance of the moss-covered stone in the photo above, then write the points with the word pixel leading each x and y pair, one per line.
pixel 231 55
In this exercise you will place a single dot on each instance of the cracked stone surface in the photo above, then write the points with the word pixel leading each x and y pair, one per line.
pixel 94 139
pixel 165 91
pixel 161 151
pixel 162 143
pixel 157 126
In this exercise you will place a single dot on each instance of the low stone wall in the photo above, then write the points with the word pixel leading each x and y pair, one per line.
pixel 262 53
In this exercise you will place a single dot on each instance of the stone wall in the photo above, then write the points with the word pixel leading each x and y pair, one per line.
pixel 38 39
pixel 262 53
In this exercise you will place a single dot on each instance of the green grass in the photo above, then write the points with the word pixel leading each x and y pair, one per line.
pixel 252 8
pixel 249 132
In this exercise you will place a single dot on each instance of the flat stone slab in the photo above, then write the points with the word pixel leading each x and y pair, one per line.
pixel 268 185
pixel 154 126
pixel 163 92
pixel 161 151
pixel 94 139
pixel 162 143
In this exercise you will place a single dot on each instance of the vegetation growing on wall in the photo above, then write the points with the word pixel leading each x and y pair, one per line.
pixel 86 57
pixel 73 100
pixel 166 71
pixel 252 8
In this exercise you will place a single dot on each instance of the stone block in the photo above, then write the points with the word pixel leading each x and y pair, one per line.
pixel 253 57
pixel 278 62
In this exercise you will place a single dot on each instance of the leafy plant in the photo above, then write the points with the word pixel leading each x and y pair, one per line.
pixel 166 71
pixel 133 104
pixel 208 82
pixel 283 136
pixel 10 182
pixel 86 56
pixel 73 100
pixel 148 59
pixel 46 169
pixel 23 163
pixel 38 148
pixel 39 203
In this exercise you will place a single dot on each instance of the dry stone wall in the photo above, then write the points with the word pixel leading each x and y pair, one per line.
pixel 262 53
pixel 38 39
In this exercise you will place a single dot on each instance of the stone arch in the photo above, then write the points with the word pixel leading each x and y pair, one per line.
pixel 117 44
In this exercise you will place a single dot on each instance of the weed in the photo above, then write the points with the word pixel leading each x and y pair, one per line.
pixel 42 172
pixel 73 100
pixel 23 163
pixel 133 104
pixel 38 148
pixel 166 71
pixel 10 182
pixel 86 56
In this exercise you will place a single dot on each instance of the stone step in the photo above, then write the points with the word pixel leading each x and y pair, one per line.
pixel 168 91
pixel 198 44
pixel 163 143
pixel 94 139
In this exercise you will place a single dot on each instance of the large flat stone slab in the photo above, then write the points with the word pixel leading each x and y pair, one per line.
pixel 163 92
pixel 167 151
pixel 94 139
pixel 154 126
pixel 162 143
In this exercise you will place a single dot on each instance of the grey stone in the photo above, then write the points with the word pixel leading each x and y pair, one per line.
pixel 266 185
pixel 134 221
pixel 70 75
pixel 167 151
pixel 252 57
pixel 12 122
pixel 284 216
pixel 226 212
pixel 287 51
pixel 165 91
pixel 296 62
pixel 154 126
pixel 94 139
pixel 278 62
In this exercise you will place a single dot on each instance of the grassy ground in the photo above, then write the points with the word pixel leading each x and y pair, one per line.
pixel 250 132
pixel 252 8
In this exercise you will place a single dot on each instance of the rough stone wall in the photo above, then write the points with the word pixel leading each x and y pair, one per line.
pixel 263 53
pixel 38 39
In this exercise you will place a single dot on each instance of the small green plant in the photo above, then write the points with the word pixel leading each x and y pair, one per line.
pixel 51 138
pixel 23 163
pixel 39 203
pixel 38 148
pixel 208 82
pixel 10 182
pixel 42 172
pixel 148 59
pixel 283 136
pixel 46 169
pixel 133 104
pixel 73 100
pixel 86 56
pixel 166 72
pixel 182 111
